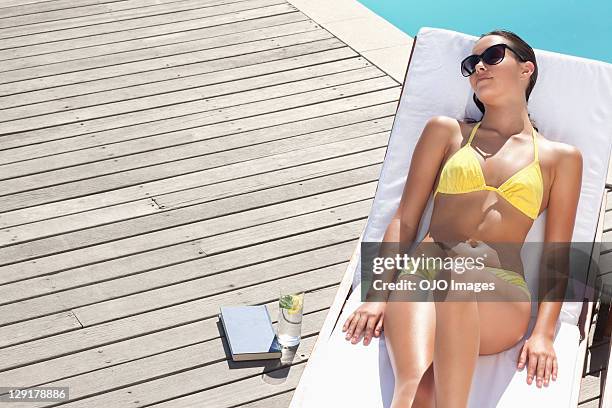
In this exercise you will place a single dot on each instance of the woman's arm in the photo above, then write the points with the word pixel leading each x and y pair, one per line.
pixel 562 204
pixel 426 160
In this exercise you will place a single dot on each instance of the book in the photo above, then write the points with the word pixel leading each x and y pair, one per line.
pixel 249 332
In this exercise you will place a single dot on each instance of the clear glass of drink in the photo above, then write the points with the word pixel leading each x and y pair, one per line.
pixel 290 310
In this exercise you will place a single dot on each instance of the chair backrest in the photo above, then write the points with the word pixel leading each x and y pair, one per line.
pixel 571 103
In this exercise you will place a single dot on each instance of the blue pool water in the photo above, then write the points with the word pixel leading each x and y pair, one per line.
pixel 581 28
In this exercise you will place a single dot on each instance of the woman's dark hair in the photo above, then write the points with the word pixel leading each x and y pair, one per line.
pixel 525 52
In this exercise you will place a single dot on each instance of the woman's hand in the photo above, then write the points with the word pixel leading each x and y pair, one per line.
pixel 369 317
pixel 542 362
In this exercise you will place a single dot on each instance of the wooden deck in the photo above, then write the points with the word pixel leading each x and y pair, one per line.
pixel 159 160
pixel 596 365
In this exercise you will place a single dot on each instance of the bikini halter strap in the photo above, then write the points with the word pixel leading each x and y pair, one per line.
pixel 473 133
pixel 533 134
pixel 535 145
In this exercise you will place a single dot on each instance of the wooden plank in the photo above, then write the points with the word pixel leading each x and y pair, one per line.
pixel 132 209
pixel 593 394
pixel 354 69
pixel 10 41
pixel 39 328
pixel 589 388
pixel 153 47
pixel 281 400
pixel 168 223
pixel 70 277
pixel 606 280
pixel 587 309
pixel 172 180
pixel 202 229
pixel 115 142
pixel 85 227
pixel 139 347
pixel 39 218
pixel 251 269
pixel 180 158
pixel 136 37
pixel 235 393
pixel 186 198
pixel 203 266
pixel 269 111
pixel 607 222
pixel 183 61
pixel 605 262
pixel 290 25
pixel 53 11
pixel 241 92
pixel 62 20
pixel 10 8
pixel 276 401
pixel 154 321
pixel 168 177
pixel 57 98
pixel 147 147
pixel 594 403
pixel 609 177
pixel 28 239
pixel 187 232
pixel 207 192
pixel 609 193
pixel 231 392
pixel 137 73
pixel 167 296
pixel 606 396
pixel 168 256
pixel 170 363
pixel 171 92
pixel 189 116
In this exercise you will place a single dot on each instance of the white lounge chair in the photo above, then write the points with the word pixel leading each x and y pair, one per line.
pixel 571 103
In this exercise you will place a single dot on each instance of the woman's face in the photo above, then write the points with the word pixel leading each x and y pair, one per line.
pixel 505 81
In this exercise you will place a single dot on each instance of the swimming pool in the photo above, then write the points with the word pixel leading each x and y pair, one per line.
pixel 581 28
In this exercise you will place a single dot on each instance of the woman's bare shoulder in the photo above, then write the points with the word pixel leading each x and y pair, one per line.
pixel 558 152
pixel 447 132
pixel 442 128
pixel 445 123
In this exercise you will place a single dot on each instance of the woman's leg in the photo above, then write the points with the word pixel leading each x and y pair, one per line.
pixel 409 328
pixel 425 395
pixel 466 328
pixel 457 344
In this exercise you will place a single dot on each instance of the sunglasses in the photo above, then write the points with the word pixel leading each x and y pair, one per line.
pixel 491 56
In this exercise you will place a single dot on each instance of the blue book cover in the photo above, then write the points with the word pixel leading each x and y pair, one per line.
pixel 249 332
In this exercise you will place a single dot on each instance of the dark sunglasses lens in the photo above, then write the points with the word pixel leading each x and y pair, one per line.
pixel 468 66
pixel 494 55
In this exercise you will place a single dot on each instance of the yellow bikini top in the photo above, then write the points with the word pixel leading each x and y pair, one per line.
pixel 462 174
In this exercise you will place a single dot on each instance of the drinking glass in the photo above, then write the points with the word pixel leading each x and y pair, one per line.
pixel 290 310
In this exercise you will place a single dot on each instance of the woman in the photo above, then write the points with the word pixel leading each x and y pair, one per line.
pixel 491 180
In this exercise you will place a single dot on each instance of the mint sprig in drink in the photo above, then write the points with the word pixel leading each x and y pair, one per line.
pixel 290 310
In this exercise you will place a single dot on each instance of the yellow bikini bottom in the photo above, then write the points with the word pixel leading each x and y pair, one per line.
pixel 511 277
